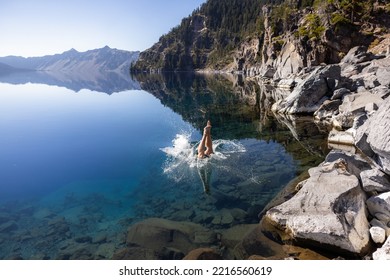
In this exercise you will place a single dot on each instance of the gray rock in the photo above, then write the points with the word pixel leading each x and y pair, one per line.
pixel 378 234
pixel 355 163
pixel 287 83
pixel 379 207
pixel 378 135
pixel 267 72
pixel 376 223
pixel 288 62
pixel 357 55
pixel 375 180
pixel 329 210
pixel 361 141
pixel 383 253
pixel 355 104
pixel 340 93
pixel 328 109
pixel 382 91
pixel 371 108
pixel 308 95
pixel 381 68
pixel 340 137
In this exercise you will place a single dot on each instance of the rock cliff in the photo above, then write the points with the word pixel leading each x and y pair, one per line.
pixel 274 39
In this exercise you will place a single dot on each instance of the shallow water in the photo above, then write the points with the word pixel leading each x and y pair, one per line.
pixel 77 169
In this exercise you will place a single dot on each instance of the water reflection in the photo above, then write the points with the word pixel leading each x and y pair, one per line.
pixel 239 109
pixel 106 82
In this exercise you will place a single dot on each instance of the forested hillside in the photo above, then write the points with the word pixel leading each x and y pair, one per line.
pixel 213 36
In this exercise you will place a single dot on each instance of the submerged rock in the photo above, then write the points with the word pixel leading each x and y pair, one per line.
pixel 255 242
pixel 161 235
pixel 203 254
pixel 329 210
pixel 8 227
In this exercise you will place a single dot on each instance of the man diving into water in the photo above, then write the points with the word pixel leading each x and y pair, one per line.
pixel 205 149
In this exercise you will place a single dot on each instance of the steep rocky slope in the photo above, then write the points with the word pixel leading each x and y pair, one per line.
pixel 268 38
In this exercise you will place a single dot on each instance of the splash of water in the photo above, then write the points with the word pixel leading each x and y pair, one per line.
pixel 182 155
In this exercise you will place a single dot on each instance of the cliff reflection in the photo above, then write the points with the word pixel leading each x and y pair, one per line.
pixel 238 108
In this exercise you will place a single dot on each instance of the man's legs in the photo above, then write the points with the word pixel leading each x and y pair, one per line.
pixel 206 142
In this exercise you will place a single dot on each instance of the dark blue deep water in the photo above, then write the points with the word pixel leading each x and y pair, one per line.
pixel 81 167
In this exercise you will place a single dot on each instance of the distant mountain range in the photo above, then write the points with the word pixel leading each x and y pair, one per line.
pixel 98 60
pixel 103 70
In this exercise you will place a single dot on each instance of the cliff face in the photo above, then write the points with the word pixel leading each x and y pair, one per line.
pixel 269 38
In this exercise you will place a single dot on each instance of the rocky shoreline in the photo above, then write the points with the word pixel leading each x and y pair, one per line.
pixel 344 206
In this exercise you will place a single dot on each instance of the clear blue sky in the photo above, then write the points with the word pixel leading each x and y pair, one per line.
pixel 40 27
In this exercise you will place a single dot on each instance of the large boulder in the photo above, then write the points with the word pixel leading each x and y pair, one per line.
pixel 168 238
pixel 329 210
pixel 373 138
pixel 309 94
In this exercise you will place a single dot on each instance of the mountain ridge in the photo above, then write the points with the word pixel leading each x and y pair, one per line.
pixel 103 59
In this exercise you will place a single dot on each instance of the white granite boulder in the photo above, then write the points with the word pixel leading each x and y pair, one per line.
pixel 329 210
pixel 383 253
pixel 378 234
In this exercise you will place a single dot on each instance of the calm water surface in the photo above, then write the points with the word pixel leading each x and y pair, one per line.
pixel 81 167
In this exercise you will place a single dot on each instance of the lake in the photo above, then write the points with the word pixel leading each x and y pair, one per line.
pixel 79 166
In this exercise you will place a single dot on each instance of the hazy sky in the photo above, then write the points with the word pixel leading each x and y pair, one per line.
pixel 40 27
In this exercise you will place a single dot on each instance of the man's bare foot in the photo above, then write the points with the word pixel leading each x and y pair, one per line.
pixel 207 128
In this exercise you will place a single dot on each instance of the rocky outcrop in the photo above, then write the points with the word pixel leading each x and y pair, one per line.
pixel 311 93
pixel 332 215
pixel 376 131
pixel 356 105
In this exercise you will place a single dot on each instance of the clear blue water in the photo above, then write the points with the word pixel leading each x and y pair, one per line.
pixel 76 166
